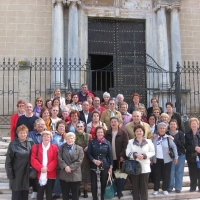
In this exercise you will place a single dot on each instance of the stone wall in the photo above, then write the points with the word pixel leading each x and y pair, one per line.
pixel 25 28
pixel 190 30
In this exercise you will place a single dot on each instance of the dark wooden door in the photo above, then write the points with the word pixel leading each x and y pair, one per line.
pixel 125 41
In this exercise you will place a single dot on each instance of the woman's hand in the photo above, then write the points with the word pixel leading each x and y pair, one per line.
pixel 155 136
pixel 121 159
pixel 85 150
pixel 197 149
pixel 110 170
pixel 68 169
pixel 175 161
pixel 44 169
pixel 139 156
pixel 170 137
pixel 97 162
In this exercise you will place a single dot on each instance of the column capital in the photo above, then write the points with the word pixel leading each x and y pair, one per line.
pixel 78 2
pixel 159 6
pixel 58 1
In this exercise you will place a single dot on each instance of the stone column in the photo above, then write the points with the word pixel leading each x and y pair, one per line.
pixel 24 83
pixel 57 74
pixel 175 37
pixel 73 43
pixel 163 53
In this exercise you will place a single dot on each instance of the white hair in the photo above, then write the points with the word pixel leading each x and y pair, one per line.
pixel 106 94
pixel 137 111
pixel 120 95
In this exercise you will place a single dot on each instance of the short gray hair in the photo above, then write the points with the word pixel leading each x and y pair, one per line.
pixel 120 95
pixel 106 94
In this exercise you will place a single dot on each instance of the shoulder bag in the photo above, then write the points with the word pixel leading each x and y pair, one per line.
pixel 170 152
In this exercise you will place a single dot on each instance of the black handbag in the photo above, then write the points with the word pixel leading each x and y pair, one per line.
pixel 131 167
pixel 170 152
pixel 32 171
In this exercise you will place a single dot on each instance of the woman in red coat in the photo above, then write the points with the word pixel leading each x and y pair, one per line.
pixel 44 160
pixel 14 118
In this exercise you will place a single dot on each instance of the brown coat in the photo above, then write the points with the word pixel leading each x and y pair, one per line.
pixel 121 142
pixel 73 161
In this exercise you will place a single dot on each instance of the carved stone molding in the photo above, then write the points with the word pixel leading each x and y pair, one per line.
pixel 78 2
pixel 137 4
pixel 58 1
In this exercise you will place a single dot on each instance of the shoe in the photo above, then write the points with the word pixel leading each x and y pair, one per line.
pixel 85 195
pixel 169 191
pixel 192 190
pixel 155 193
pixel 56 197
pixel 178 191
pixel 165 193
pixel 70 195
pixel 34 195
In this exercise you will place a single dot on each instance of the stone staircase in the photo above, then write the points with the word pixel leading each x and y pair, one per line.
pixel 5 193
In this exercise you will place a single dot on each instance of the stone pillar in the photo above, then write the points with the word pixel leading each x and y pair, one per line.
pixel 163 53
pixel 175 37
pixel 57 74
pixel 24 83
pixel 73 43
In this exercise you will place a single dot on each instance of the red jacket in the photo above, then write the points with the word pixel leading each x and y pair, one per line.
pixel 52 155
pixel 101 109
pixel 13 122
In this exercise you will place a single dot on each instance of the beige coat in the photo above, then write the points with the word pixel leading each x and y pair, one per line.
pixel 73 161
pixel 105 117
pixel 129 128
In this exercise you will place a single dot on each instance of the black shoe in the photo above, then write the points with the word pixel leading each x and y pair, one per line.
pixel 178 191
pixel 192 190
pixel 85 195
pixel 56 197
pixel 169 191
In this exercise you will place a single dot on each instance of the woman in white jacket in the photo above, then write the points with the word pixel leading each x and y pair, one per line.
pixel 140 149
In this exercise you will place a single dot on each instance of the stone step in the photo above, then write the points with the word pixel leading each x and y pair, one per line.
pixel 3 152
pixel 2 168
pixel 6 139
pixel 3 177
pixel 3 145
pixel 2 159
pixel 184 195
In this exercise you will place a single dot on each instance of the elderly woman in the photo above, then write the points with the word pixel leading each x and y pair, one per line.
pixel 177 170
pixel 119 140
pixel 164 117
pixel 157 112
pixel 74 105
pixel 14 117
pixel 58 140
pixel 44 160
pixel 38 106
pixel 106 97
pixel 82 139
pixel 192 146
pixel 100 155
pixel 140 149
pixel 65 114
pixel 70 157
pixel 136 102
pixel 18 163
pixel 54 117
pixel 119 99
pixel 57 94
pixel 162 160
pixel 94 123
pixel 45 115
pixel 74 115
pixel 143 112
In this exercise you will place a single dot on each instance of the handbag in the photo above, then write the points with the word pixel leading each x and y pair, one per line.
pixel 170 152
pixel 110 189
pixel 131 167
pixel 33 171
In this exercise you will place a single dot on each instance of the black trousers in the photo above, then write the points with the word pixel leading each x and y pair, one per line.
pixel 33 184
pixel 194 174
pixel 163 170
pixel 140 186
pixel 67 186
pixel 48 188
pixel 20 195
pixel 103 179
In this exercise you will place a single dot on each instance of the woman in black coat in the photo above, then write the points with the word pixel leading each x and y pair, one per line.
pixel 99 153
pixel 18 163
pixel 192 146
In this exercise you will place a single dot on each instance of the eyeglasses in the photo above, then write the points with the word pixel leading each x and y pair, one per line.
pixel 39 100
pixel 40 124
pixel 79 126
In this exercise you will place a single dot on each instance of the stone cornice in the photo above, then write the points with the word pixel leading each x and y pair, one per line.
pixel 58 1
pixel 73 1
pixel 170 6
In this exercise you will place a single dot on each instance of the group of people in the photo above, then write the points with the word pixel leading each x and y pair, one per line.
pixel 67 140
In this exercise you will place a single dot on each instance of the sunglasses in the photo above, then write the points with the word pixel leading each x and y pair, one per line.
pixel 39 100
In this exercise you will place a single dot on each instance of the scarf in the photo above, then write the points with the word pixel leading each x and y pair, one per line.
pixel 43 176
pixel 81 139
pixel 48 124
pixel 69 148
pixel 100 140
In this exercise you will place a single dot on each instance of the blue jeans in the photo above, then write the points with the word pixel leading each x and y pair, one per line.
pixel 177 173
pixel 57 188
